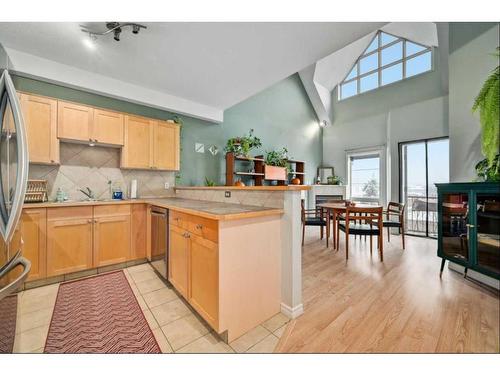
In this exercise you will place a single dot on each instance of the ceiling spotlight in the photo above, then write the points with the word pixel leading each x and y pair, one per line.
pixel 117 33
pixel 89 43
pixel 323 124
pixel 115 28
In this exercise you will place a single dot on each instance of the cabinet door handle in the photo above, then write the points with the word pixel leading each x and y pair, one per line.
pixel 89 221
pixel 199 226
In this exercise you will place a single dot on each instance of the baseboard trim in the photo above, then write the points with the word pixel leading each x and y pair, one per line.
pixel 292 312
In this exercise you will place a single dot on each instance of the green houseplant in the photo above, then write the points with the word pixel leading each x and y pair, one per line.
pixel 276 165
pixel 488 103
pixel 243 145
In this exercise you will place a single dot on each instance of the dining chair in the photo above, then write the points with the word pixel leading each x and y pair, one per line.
pixel 312 217
pixel 395 210
pixel 365 221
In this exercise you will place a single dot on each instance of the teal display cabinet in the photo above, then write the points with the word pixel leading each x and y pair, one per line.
pixel 469 226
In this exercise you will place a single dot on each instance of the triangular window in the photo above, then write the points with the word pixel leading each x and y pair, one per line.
pixel 387 59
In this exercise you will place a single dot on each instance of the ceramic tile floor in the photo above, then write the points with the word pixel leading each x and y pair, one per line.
pixel 176 327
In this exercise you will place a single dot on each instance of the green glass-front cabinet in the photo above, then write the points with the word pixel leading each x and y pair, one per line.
pixel 469 226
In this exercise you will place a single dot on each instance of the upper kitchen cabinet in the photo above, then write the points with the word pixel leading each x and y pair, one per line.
pixel 40 117
pixel 150 144
pixel 166 145
pixel 107 127
pixel 137 151
pixel 74 121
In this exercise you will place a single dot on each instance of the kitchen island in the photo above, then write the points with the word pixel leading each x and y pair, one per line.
pixel 224 258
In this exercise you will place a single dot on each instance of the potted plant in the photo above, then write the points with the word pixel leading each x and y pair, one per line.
pixel 487 101
pixel 334 180
pixel 243 145
pixel 276 165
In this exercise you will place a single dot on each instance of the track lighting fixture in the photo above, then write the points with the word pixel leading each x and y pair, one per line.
pixel 115 28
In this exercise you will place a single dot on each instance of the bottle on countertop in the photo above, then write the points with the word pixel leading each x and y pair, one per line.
pixel 60 195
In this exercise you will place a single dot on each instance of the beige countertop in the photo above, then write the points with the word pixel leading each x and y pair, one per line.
pixel 208 209
pixel 264 188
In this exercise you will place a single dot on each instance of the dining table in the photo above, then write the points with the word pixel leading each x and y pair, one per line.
pixel 332 210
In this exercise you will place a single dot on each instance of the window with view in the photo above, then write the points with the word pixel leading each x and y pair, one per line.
pixel 364 178
pixel 387 59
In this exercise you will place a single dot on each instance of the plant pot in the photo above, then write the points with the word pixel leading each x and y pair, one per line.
pixel 274 173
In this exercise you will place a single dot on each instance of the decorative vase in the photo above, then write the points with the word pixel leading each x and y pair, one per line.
pixel 239 183
pixel 295 181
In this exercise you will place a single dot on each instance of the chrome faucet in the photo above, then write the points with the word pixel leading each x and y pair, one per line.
pixel 88 193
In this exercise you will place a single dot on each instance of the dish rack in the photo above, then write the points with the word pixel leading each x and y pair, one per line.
pixel 36 191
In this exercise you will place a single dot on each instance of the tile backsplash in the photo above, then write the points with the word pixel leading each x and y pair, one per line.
pixel 82 166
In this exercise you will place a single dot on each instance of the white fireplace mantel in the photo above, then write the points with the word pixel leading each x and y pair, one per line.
pixel 324 190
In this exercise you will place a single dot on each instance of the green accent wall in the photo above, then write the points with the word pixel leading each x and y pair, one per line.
pixel 280 115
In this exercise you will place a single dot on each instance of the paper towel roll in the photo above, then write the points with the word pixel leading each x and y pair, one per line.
pixel 133 189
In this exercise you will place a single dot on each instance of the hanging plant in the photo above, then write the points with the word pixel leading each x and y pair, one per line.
pixel 488 102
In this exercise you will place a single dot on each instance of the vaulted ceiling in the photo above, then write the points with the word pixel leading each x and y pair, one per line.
pixel 199 69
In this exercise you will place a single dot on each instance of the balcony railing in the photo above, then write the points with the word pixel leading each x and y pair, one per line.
pixel 419 210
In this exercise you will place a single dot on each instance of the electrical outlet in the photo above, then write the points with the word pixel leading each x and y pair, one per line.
pixel 167 185
pixel 227 194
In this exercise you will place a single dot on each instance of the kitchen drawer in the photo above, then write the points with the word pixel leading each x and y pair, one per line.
pixel 69 213
pixel 179 219
pixel 205 228
pixel 112 210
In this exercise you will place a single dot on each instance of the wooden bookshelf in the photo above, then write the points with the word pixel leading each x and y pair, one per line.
pixel 231 169
pixel 299 170
pixel 258 170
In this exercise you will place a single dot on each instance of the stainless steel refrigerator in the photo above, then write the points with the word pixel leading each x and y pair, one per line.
pixel 14 268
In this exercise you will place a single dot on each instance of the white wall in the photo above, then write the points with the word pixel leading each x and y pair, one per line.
pixel 425 119
pixel 470 63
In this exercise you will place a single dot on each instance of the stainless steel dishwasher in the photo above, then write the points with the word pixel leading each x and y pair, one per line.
pixel 159 240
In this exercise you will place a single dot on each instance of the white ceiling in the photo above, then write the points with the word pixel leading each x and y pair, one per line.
pixel 212 64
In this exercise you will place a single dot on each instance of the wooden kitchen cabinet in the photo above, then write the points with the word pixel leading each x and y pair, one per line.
pixel 138 232
pixel 74 121
pixel 137 151
pixel 34 235
pixel 166 146
pixel 178 260
pixel 194 262
pixel 69 240
pixel 204 277
pixel 111 234
pixel 40 117
pixel 107 127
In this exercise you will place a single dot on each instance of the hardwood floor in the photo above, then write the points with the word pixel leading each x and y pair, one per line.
pixel 399 306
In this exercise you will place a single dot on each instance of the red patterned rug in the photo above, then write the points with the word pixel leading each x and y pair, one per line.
pixel 99 314
pixel 8 315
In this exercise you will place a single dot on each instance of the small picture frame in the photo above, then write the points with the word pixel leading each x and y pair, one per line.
pixel 324 173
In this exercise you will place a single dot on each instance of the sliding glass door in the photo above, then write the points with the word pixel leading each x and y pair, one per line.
pixel 422 164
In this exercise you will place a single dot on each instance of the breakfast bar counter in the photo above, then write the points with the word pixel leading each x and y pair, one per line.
pixel 207 209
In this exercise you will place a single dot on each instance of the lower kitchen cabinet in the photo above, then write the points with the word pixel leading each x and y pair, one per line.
pixel 138 229
pixel 111 234
pixel 178 271
pixel 204 272
pixel 193 264
pixel 69 240
pixel 34 235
